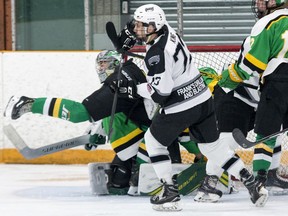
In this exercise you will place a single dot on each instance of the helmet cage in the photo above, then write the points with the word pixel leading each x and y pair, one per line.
pixel 110 59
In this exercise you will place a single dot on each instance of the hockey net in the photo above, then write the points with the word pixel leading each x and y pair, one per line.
pixel 218 57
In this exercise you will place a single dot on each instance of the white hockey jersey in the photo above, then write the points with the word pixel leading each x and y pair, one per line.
pixel 173 81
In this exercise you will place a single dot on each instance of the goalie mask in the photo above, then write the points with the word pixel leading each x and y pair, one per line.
pixel 150 18
pixel 106 62
pixel 261 8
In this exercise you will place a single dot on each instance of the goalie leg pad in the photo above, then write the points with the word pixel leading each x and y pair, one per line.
pixel 188 179
pixel 99 177
pixel 105 180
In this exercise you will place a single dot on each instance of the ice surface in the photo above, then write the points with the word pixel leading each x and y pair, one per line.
pixel 64 190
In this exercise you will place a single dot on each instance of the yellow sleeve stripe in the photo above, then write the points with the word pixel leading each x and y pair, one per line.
pixel 57 107
pixel 255 61
pixel 233 74
pixel 126 138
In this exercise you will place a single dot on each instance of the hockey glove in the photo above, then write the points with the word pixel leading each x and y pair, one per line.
pixel 95 140
pixel 232 77
pixel 96 135
pixel 126 86
pixel 127 37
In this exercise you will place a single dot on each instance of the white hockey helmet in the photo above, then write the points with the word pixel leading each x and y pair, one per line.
pixel 150 14
pixel 106 62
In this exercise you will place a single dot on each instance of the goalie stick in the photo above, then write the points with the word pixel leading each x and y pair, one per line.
pixel 244 143
pixel 30 153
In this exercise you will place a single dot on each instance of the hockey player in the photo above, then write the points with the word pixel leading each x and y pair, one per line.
pixel 236 109
pixel 177 86
pixel 265 56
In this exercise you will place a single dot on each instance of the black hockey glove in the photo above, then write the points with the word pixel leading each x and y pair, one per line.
pixel 126 86
pixel 127 37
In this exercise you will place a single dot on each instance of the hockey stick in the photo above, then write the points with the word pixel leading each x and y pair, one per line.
pixel 30 153
pixel 131 54
pixel 244 143
pixel 248 85
pixel 111 32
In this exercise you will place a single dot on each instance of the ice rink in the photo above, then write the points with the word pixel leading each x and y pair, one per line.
pixel 64 190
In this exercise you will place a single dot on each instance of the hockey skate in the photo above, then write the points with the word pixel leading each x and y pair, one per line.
pixel 17 107
pixel 276 184
pixel 133 182
pixel 167 199
pixel 207 192
pixel 256 186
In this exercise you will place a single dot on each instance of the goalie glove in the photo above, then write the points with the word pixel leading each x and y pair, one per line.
pixel 97 136
pixel 127 37
pixel 232 77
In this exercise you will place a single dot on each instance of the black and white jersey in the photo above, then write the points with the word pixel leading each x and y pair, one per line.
pixel 174 82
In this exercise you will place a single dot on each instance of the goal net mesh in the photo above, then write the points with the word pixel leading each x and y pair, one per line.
pixel 218 57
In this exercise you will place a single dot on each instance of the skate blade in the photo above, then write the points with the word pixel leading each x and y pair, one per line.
pixel 202 197
pixel 170 206
pixel 263 198
pixel 8 109
pixel 277 191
